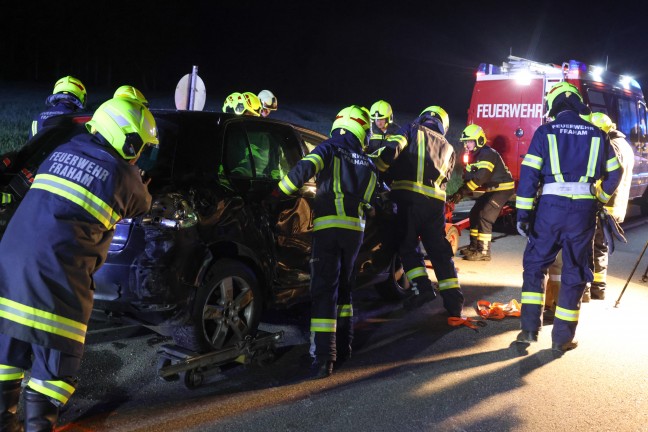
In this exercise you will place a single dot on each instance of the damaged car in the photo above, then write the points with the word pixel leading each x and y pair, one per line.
pixel 212 253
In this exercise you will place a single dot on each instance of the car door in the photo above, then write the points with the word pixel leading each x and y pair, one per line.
pixel 258 153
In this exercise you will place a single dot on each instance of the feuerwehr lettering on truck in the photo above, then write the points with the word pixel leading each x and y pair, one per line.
pixel 509 110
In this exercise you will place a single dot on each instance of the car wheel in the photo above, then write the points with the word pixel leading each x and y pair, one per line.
pixel 397 285
pixel 226 309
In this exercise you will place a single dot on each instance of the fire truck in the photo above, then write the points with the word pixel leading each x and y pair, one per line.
pixel 508 102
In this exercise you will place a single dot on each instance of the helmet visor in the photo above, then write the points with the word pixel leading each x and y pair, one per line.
pixel 239 108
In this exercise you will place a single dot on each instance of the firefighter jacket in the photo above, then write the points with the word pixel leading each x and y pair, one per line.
pixel 59 237
pixel 61 107
pixel 419 159
pixel 345 178
pixel 377 137
pixel 489 171
pixel 618 203
pixel 19 168
pixel 568 150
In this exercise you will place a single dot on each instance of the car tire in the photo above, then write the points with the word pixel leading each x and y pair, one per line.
pixel 226 309
pixel 397 286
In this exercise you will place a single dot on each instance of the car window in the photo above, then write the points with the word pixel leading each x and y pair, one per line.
pixel 237 160
pixel 262 150
pixel 310 142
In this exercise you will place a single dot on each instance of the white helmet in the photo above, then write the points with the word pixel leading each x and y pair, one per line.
pixel 268 102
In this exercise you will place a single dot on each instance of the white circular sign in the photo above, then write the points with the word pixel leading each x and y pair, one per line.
pixel 182 93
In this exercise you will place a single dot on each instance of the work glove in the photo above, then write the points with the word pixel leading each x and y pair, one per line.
pixel 370 211
pixel 523 228
pixel 456 197
pixel 594 190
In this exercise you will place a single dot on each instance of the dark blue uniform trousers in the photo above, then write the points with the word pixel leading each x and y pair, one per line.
pixel 560 223
pixel 424 219
pixel 45 365
pixel 332 279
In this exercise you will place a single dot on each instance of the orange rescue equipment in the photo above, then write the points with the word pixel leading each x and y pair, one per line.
pixel 488 310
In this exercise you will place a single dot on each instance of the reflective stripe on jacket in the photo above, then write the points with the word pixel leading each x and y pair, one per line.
pixel 345 177
pixel 59 236
pixel 488 171
pixel 568 149
pixel 419 159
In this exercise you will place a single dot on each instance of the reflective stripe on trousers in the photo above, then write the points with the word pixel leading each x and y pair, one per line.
pixel 560 223
pixel 333 258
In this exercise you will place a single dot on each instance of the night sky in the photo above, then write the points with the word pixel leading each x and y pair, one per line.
pixel 412 54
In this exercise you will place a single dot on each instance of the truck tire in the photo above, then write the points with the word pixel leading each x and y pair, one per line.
pixel 226 308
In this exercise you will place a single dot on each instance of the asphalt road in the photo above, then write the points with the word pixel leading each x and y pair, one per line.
pixel 409 371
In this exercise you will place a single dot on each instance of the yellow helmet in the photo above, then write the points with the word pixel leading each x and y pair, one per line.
pixel 130 92
pixel 382 110
pixel 355 119
pixel 231 102
pixel 440 113
pixel 126 124
pixel 559 88
pixel 252 104
pixel 603 122
pixel 72 86
pixel 475 133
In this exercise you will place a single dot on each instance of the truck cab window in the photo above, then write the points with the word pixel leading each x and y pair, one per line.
pixel 629 123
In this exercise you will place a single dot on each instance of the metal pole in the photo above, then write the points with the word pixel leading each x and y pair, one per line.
pixel 631 274
pixel 192 88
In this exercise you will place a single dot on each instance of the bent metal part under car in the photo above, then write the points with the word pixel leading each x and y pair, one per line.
pixel 212 254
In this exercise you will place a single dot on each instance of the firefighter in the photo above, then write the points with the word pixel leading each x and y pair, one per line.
pixel 345 178
pixel 130 92
pixel 382 124
pixel 618 203
pixel 268 102
pixel 566 157
pixel 80 192
pixel 382 127
pixel 69 96
pixel 31 156
pixel 489 171
pixel 420 160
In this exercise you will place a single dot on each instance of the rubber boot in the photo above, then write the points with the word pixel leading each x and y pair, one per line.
pixel 40 412
pixel 419 295
pixel 320 368
pixel 9 405
pixel 472 247
pixel 597 292
pixel 481 254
